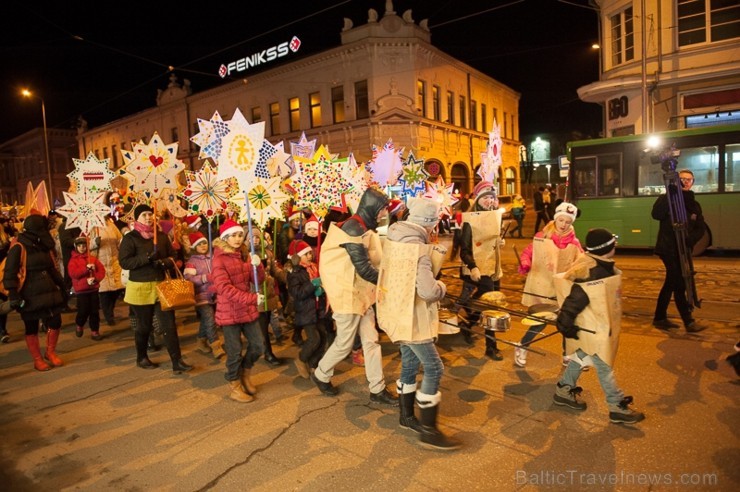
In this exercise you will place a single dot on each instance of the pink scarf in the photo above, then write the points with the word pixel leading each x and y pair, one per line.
pixel 145 230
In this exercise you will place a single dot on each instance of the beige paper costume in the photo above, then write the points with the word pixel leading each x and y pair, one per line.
pixel 485 228
pixel 399 318
pixel 346 291
pixel 547 260
pixel 603 315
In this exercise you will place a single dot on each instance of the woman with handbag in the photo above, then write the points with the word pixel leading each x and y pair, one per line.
pixel 147 257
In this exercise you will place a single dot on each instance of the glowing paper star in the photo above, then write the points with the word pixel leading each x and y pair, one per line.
pixel 386 164
pixel 209 138
pixel 169 200
pixel 413 176
pixel 303 147
pixel 152 168
pixel 320 184
pixel 85 209
pixel 443 193
pixel 92 174
pixel 280 164
pixel 266 198
pixel 206 193
pixel 359 178
pixel 240 150
pixel 491 158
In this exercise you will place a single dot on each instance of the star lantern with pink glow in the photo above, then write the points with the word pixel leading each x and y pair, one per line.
pixel 386 164
pixel 442 193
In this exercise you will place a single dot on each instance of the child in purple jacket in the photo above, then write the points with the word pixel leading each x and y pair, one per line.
pixel 198 271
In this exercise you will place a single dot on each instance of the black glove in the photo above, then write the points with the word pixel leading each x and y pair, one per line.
pixel 568 331
pixel 159 265
pixel 152 257
pixel 16 304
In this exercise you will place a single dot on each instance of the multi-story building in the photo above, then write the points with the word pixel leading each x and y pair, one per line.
pixel 385 81
pixel 23 160
pixel 667 65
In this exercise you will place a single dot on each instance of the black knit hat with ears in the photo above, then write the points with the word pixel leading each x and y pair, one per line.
pixel 600 241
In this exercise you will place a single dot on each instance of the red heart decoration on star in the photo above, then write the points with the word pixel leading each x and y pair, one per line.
pixel 155 160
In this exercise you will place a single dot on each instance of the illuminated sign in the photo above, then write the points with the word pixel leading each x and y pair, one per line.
pixel 264 56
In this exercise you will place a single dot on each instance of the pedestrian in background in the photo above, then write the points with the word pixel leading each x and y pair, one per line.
pixel 518 207
pixel 540 209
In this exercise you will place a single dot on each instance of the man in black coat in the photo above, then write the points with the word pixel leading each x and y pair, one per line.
pixel 666 248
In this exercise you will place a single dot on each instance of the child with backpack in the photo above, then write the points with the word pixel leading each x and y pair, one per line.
pixel 86 272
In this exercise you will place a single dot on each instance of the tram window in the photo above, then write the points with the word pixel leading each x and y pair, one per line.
pixel 609 168
pixel 732 165
pixel 649 176
pixel 585 176
pixel 704 163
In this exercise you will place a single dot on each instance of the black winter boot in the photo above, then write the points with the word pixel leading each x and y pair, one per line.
pixel 431 436
pixel 406 398
pixel 270 357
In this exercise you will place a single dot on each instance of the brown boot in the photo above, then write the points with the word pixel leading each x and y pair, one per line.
pixel 52 336
pixel 32 341
pixel 217 349
pixel 247 382
pixel 238 393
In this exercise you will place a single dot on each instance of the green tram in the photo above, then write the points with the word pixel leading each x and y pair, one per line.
pixel 615 181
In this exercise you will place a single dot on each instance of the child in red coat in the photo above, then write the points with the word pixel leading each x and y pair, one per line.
pixel 86 272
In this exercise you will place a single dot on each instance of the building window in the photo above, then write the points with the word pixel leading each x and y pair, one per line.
pixel 421 97
pixel 435 102
pixel 105 151
pixel 337 104
pixel 294 107
pixel 114 157
pixel 314 103
pixel 462 111
pixel 474 114
pixel 513 127
pixel 450 108
pixel 256 114
pixel 495 116
pixel 722 17
pixel 275 118
pixel 483 117
pixel 505 125
pixel 362 102
pixel 623 38
pixel 174 134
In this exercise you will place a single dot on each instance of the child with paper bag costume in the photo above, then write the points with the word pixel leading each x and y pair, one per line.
pixel 590 296
pixel 480 252
pixel 407 271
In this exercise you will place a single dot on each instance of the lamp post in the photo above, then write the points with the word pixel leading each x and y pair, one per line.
pixel 29 94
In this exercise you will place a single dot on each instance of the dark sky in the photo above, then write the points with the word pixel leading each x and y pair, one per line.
pixel 108 64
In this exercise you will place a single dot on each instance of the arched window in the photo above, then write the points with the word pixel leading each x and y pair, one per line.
pixel 510 178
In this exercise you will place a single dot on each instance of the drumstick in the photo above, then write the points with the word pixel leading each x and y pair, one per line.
pixel 516 253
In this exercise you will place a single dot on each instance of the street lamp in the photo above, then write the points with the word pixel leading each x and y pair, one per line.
pixel 27 93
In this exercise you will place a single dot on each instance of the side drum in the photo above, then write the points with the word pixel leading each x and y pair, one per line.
pixel 492 320
pixel 447 323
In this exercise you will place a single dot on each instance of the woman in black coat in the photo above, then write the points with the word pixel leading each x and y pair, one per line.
pixel 42 295
pixel 146 266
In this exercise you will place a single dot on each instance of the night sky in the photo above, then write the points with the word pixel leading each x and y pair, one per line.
pixel 107 64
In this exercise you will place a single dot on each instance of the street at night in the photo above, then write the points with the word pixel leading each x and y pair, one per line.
pixel 101 423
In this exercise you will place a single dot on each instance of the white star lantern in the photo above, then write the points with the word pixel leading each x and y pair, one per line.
pixel 91 174
pixel 491 158
pixel 152 169
pixel 85 209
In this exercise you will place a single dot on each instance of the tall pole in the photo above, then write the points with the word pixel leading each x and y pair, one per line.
pixel 48 160
pixel 29 94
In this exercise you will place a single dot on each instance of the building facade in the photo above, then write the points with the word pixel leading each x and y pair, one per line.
pixel 667 65
pixel 385 81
